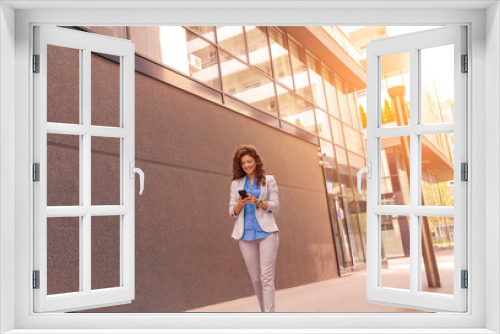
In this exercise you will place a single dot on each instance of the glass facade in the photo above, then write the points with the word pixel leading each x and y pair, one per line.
pixel 264 67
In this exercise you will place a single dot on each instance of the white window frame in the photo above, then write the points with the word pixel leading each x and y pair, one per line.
pixel 413 44
pixel 484 46
pixel 86 44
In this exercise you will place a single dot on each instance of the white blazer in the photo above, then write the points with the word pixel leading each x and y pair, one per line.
pixel 265 218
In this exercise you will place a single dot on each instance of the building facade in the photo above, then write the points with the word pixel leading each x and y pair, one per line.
pixel 200 92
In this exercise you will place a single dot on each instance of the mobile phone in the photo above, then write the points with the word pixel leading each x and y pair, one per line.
pixel 243 193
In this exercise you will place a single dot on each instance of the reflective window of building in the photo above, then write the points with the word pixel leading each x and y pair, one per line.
pixel 343 170
pixel 331 92
pixel 202 60
pixel 247 84
pixel 178 49
pixel 353 140
pixel 258 48
pixel 330 168
pixel 328 154
pixel 232 39
pixel 204 31
pixel 354 110
pixel 295 110
pixel 323 122
pixel 280 56
pixel 341 232
pixel 354 233
pixel 338 132
pixel 343 101
pixel 316 82
pixel 299 68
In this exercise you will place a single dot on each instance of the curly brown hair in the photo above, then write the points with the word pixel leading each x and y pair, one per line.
pixel 238 172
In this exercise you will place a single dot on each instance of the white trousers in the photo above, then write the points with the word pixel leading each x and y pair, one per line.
pixel 260 260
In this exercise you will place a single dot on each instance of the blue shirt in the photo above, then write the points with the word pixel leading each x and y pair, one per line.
pixel 252 227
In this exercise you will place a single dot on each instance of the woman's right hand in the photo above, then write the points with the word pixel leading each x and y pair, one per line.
pixel 243 201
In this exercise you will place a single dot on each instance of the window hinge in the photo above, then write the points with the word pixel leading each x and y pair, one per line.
pixel 36 172
pixel 36 279
pixel 465 279
pixel 36 63
pixel 464 172
pixel 465 64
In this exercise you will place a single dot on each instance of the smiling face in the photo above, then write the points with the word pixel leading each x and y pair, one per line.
pixel 248 164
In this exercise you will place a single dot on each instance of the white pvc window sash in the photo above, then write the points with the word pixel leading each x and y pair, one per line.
pixel 86 43
pixel 414 43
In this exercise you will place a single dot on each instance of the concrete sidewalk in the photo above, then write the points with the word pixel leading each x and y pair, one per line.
pixel 345 294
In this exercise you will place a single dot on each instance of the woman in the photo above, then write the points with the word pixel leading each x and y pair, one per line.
pixel 255 226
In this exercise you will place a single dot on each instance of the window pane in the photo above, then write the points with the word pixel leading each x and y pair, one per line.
pixel 353 140
pixel 343 168
pixel 316 82
pixel 105 171
pixel 179 49
pixel 324 129
pixel 63 85
pixel 327 150
pixel 332 181
pixel 330 168
pixel 300 76
pixel 394 168
pixel 395 252
pixel 338 132
pixel 247 84
pixel 295 110
pixel 341 232
pixel 258 49
pixel 353 229
pixel 395 89
pixel 437 84
pixel 331 93
pixel 442 235
pixel 231 38
pixel 356 161
pixel 105 247
pixel 63 255
pixel 344 102
pixel 63 170
pixel 202 59
pixel 437 169
pixel 281 60
pixel 105 91
pixel 354 110
pixel 204 31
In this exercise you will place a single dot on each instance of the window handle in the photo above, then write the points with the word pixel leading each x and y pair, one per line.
pixel 368 171
pixel 141 175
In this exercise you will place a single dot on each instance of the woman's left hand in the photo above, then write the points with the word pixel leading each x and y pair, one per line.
pixel 252 199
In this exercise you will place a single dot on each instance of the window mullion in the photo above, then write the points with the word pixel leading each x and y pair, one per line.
pixel 85 167
pixel 373 184
pixel 415 191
